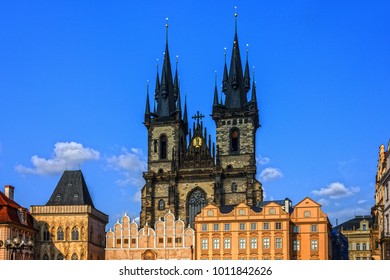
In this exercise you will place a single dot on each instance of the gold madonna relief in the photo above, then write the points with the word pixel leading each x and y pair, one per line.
pixel 197 142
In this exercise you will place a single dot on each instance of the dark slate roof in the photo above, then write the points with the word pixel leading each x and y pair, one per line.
pixel 229 208
pixel 354 223
pixel 264 203
pixel 71 190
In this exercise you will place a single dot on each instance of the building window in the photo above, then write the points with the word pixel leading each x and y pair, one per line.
pixel 204 244
pixel 178 240
pixel 278 225
pixel 253 226
pixel 242 243
pixel 266 243
pixel 216 243
pixel 216 227
pixel 60 234
pixel 357 246
pixel 75 234
pixel 210 213
pixel 253 243
pixel 272 211
pixel 364 246
pixel 226 227
pixel 74 257
pixel 227 243
pixel 133 241
pixel 241 212
pixel 307 214
pixel 204 227
pixel 161 240
pixel 234 187
pixel 242 226
pixel 235 140
pixel 314 245
pixel 313 228
pixel 169 239
pixel 46 234
pixel 163 147
pixel 266 226
pixel 278 243
pixel 296 245
pixel 196 202
pixel 296 229
pixel 364 227
pixel 161 204
pixel 60 257
pixel 126 241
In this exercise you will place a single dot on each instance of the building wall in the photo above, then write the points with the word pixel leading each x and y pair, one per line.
pixel 311 228
pixel 385 183
pixel 10 231
pixel 89 222
pixel 169 239
pixel 246 234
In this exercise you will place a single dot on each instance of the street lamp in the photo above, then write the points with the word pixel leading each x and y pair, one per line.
pixel 16 244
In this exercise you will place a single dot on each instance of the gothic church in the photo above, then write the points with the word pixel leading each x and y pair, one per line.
pixel 186 171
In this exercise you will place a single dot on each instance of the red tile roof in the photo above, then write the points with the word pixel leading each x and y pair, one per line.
pixel 9 212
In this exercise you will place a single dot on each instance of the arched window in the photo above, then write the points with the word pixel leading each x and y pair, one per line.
pixel 60 257
pixel 364 246
pixel 196 201
pixel 161 205
pixel 60 234
pixel 75 233
pixel 46 234
pixel 235 140
pixel 163 147
pixel 74 257
pixel 358 246
pixel 45 257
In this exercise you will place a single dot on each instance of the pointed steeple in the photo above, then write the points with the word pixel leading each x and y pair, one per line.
pixel 157 88
pixel 254 98
pixel 176 88
pixel 234 85
pixel 166 100
pixel 247 75
pixel 225 76
pixel 147 107
pixel 215 103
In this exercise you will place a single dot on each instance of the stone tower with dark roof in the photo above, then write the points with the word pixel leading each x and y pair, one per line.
pixel 70 227
pixel 185 169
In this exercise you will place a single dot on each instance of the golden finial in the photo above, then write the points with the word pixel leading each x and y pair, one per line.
pixel 235 11
pixel 166 22
pixel 177 58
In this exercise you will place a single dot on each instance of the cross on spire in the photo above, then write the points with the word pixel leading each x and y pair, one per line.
pixel 198 117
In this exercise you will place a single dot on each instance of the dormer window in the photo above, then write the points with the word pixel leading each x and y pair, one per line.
pixel 234 140
pixel 58 197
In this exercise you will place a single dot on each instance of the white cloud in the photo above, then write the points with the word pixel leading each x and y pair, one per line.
pixel 346 214
pixel 67 155
pixel 362 201
pixel 324 202
pixel 336 190
pixel 270 173
pixel 130 164
pixel 262 160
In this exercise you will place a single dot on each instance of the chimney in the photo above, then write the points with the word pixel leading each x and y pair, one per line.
pixel 9 191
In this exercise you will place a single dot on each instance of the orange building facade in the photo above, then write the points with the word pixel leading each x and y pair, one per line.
pixel 169 239
pixel 272 231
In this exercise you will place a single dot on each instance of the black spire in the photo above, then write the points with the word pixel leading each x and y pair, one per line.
pixel 247 75
pixel 215 91
pixel 166 99
pixel 254 98
pixel 234 86
pixel 147 107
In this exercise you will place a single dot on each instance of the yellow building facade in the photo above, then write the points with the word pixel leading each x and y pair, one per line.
pixel 168 240
pixel 273 231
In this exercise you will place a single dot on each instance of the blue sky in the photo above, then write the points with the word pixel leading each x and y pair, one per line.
pixel 73 81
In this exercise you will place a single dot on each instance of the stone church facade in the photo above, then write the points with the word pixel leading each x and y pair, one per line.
pixel 186 171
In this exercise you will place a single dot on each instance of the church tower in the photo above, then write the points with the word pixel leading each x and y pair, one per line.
pixel 167 132
pixel 237 120
pixel 186 171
